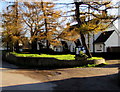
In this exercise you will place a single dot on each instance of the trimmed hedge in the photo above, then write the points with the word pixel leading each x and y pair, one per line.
pixel 46 61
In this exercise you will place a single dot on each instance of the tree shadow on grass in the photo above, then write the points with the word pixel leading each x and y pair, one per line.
pixel 107 82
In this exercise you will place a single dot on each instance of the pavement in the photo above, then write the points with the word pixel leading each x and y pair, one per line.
pixel 94 78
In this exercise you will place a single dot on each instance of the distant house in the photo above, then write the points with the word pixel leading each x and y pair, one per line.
pixel 109 40
pixel 106 41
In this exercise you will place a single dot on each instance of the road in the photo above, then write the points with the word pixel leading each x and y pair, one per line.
pixel 14 78
pixel 99 78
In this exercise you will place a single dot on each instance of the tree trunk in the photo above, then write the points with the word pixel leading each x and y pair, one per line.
pixel 34 46
pixel 17 47
pixel 46 26
pixel 85 45
pixel 7 46
pixel 81 34
pixel 13 47
pixel 47 44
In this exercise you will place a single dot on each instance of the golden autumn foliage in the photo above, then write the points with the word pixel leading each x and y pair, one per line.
pixel 39 20
pixel 13 32
pixel 92 20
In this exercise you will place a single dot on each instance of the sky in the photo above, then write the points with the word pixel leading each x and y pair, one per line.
pixel 4 3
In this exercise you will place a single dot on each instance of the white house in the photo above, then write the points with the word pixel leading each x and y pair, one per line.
pixel 110 38
pixel 101 42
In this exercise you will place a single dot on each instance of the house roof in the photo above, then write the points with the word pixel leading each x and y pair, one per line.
pixel 104 36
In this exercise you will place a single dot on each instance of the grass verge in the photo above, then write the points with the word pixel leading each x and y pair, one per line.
pixel 60 57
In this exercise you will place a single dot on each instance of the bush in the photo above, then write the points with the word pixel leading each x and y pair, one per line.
pixel 82 56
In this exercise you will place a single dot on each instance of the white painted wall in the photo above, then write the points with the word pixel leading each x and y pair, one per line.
pixel 91 40
pixel 112 41
pixel 71 46
pixel 118 34
pixel 99 47
pixel 58 49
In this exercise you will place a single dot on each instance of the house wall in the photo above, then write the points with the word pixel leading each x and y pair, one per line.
pixel 99 47
pixel 112 41
pixel 118 34
pixel 71 46
pixel 58 49
pixel 91 40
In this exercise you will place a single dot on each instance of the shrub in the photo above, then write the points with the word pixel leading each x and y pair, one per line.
pixel 81 56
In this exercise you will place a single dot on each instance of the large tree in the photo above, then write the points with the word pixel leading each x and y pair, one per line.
pixel 13 32
pixel 99 20
pixel 39 20
pixel 52 22
pixel 42 22
pixel 91 17
pixel 32 18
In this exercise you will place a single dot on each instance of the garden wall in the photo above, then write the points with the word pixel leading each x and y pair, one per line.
pixel 45 62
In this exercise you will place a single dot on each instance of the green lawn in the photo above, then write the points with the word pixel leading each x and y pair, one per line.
pixel 60 57
pixel 94 58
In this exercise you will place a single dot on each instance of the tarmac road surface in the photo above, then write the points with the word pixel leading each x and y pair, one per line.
pixel 97 78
